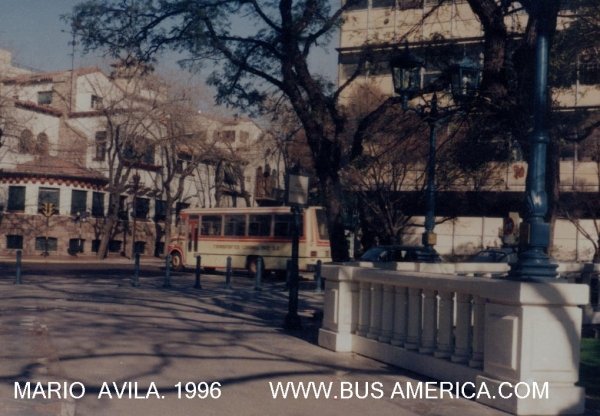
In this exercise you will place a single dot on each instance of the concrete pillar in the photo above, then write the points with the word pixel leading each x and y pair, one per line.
pixel 429 322
pixel 445 325
pixel 413 335
pixel 375 315
pixel 462 341
pixel 400 315
pixel 387 318
pixel 478 332
pixel 364 308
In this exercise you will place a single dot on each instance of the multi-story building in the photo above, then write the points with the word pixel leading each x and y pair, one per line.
pixel 432 28
pixel 59 165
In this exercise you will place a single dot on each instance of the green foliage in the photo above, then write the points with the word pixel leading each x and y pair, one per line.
pixel 589 370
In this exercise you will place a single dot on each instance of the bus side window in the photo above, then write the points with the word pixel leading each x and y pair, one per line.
pixel 211 225
pixel 283 225
pixel 259 225
pixel 235 225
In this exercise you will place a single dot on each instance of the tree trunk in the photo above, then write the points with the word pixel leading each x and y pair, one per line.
pixel 109 225
pixel 167 230
pixel 331 191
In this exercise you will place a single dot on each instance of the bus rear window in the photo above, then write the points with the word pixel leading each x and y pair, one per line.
pixel 283 225
pixel 235 225
pixel 322 225
pixel 211 225
pixel 259 225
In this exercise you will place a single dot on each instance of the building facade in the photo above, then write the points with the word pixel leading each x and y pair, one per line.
pixel 449 30
pixel 73 138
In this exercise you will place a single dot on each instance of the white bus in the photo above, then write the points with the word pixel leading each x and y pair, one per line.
pixel 245 234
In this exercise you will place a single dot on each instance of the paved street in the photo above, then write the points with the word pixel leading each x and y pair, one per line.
pixel 85 323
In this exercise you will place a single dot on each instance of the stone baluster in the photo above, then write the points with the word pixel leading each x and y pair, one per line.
pixel 375 316
pixel 429 322
pixel 364 308
pixel 445 325
pixel 462 336
pixel 413 336
pixel 478 332
pixel 387 318
pixel 355 296
pixel 400 315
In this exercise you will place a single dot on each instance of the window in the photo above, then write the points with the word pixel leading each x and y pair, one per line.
pixel 358 4
pixel 98 204
pixel 16 198
pixel 95 246
pixel 228 136
pixel 42 146
pixel 142 207
pixel 211 225
pixel 160 210
pixel 139 247
pixel 76 245
pixel 78 202
pixel 96 103
pixel 283 225
pixel 179 166
pixel 148 156
pixel 235 225
pixel 100 146
pixel 589 73
pixel 384 3
pixel 138 153
pixel 26 144
pixel 259 225
pixel 43 244
pixel 114 246
pixel 14 242
pixel 44 97
pixel 322 225
pixel 49 195
pixel 244 137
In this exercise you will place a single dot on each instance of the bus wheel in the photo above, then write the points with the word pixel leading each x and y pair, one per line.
pixel 176 263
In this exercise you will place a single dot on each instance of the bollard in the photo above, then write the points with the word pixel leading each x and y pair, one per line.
pixel 167 282
pixel 288 274
pixel 259 272
pixel 228 274
pixel 136 271
pixel 18 271
pixel 318 278
pixel 198 261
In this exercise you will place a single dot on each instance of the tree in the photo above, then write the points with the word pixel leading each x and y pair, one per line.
pixel 127 109
pixel 272 55
pixel 181 147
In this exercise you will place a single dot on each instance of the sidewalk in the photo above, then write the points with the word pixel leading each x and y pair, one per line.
pixel 85 259
pixel 107 331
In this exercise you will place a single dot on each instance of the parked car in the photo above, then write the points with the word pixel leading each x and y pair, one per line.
pixel 495 255
pixel 395 253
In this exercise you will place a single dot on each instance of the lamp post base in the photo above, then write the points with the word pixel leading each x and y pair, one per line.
pixel 292 322
pixel 533 265
pixel 428 255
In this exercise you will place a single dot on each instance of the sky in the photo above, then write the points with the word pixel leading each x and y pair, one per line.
pixel 33 31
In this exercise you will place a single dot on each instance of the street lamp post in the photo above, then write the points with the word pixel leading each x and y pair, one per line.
pixel 296 198
pixel 406 74
pixel 533 262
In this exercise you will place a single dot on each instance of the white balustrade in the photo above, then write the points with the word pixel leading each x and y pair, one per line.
pixel 461 329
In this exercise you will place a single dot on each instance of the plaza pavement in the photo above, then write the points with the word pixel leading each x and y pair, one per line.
pixel 99 328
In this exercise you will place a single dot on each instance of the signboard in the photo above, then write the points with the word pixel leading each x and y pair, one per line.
pixel 297 189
